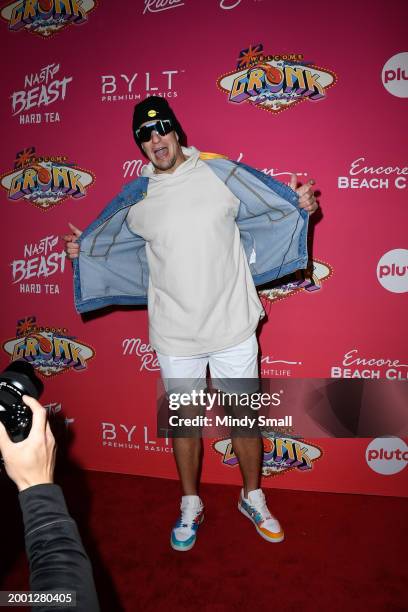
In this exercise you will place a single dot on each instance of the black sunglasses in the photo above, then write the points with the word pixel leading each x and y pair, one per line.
pixel 162 127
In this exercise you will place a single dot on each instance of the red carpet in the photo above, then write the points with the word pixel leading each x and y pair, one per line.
pixel 342 552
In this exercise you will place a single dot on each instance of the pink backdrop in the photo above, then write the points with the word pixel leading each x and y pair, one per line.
pixel 69 94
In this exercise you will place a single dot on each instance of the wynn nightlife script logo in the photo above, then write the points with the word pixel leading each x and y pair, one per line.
pixel 46 17
pixel 280 454
pixel 49 349
pixel 45 180
pixel 275 82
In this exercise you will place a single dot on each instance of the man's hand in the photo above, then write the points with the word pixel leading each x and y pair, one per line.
pixel 306 195
pixel 71 244
pixel 31 461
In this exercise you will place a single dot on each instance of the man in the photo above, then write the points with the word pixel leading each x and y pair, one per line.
pixel 57 558
pixel 193 234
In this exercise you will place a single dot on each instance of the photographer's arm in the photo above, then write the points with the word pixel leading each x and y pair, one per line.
pixel 55 552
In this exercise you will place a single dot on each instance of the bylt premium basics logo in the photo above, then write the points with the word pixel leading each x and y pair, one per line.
pixel 124 87
pixel 46 17
pixel 275 82
pixel 45 180
pixel 49 349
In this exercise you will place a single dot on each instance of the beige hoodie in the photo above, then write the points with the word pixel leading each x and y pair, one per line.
pixel 201 295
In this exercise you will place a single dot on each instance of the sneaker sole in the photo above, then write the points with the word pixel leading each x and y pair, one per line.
pixel 181 548
pixel 263 535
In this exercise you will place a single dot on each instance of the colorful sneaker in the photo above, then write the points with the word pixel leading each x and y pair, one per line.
pixel 184 532
pixel 256 510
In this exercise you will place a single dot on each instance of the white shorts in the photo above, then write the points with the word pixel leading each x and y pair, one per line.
pixel 237 362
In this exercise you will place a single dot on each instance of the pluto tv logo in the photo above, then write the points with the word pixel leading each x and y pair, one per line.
pixel 392 271
pixel 395 75
pixel 387 456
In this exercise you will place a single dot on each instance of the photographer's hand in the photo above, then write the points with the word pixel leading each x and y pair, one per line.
pixel 30 462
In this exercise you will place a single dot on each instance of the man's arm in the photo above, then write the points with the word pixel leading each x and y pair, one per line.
pixel 55 552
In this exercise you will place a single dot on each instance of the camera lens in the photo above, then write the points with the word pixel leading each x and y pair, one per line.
pixel 18 379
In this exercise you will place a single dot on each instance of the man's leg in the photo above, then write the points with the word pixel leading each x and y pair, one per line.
pixel 187 453
pixel 239 365
pixel 249 454
pixel 183 375
pixel 241 362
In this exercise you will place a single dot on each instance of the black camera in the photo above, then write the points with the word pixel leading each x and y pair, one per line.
pixel 18 379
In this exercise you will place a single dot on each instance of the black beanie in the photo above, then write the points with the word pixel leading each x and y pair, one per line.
pixel 153 108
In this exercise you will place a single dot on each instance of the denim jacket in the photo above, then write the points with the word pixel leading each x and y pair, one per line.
pixel 112 266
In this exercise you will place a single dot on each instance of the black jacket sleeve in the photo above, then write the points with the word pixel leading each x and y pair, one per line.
pixel 55 552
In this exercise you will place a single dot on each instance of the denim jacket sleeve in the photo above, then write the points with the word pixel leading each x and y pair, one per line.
pixel 273 228
pixel 112 266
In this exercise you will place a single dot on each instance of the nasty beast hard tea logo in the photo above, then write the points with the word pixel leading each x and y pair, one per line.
pixel 280 454
pixel 40 262
pixel 45 180
pixel 49 349
pixel 41 89
pixel 275 82
pixel 46 17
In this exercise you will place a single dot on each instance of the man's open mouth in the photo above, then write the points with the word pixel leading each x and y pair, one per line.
pixel 161 153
